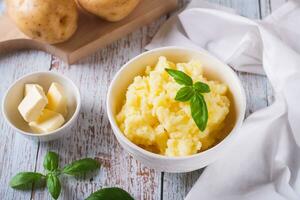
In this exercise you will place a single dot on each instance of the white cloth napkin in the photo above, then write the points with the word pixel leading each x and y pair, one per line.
pixel 264 162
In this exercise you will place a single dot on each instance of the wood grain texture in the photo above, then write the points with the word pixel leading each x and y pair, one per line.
pixel 93 136
pixel 267 6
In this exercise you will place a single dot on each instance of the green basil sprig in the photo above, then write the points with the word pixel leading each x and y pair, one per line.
pixel 26 180
pixel 51 161
pixel 53 185
pixel 113 193
pixel 81 166
pixel 192 92
pixel 180 77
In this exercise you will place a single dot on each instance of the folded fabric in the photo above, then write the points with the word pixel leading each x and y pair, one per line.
pixel 264 162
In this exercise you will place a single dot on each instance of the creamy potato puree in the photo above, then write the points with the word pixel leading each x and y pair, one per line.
pixel 154 120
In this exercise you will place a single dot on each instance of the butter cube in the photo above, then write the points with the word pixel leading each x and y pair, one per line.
pixel 57 100
pixel 33 103
pixel 47 122
pixel 30 86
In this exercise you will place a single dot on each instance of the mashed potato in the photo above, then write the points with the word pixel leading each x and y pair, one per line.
pixel 154 120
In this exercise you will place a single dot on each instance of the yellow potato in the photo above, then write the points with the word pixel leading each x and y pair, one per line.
pixel 51 21
pixel 110 10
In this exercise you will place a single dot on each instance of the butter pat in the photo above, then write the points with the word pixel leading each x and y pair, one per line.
pixel 33 103
pixel 47 122
pixel 31 86
pixel 57 100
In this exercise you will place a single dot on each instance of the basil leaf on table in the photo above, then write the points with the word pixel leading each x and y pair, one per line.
pixel 53 185
pixel 51 161
pixel 201 87
pixel 180 77
pixel 25 180
pixel 184 94
pixel 113 193
pixel 199 111
pixel 81 166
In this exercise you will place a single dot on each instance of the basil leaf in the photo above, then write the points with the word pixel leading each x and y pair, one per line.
pixel 25 180
pixel 201 87
pixel 51 161
pixel 180 77
pixel 199 111
pixel 53 185
pixel 113 193
pixel 81 166
pixel 184 94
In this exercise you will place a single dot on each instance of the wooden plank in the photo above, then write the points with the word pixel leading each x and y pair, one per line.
pixel 16 152
pixel 176 186
pixel 93 136
pixel 256 90
pixel 267 6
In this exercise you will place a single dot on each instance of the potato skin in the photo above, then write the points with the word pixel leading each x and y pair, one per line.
pixel 51 21
pixel 110 10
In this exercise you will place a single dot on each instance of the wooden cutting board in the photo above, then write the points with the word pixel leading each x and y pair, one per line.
pixel 91 35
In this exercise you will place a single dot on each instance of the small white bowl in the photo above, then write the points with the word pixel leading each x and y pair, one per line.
pixel 213 69
pixel 15 94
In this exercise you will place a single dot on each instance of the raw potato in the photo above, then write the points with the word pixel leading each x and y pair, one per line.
pixel 111 10
pixel 51 21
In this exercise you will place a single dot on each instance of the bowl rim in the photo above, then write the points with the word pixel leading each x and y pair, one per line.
pixel 119 135
pixel 64 126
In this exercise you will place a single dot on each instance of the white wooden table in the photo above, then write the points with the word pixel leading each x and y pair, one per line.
pixel 93 136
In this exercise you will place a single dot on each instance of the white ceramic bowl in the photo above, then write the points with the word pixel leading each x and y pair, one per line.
pixel 15 94
pixel 213 69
